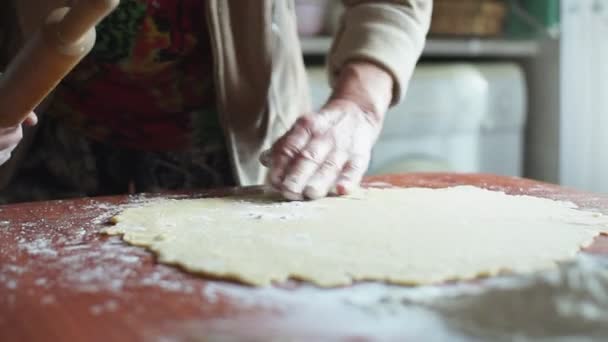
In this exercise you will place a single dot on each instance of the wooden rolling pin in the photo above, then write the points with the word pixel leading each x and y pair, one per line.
pixel 66 37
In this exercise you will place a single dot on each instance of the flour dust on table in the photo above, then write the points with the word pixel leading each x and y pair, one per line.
pixel 410 236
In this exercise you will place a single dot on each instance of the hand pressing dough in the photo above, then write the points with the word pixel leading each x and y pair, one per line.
pixel 404 236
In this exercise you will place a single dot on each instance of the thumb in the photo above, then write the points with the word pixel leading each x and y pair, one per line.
pixel 31 119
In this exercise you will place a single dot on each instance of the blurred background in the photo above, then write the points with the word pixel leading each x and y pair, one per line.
pixel 512 87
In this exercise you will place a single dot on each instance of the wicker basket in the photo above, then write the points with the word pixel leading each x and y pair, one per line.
pixel 468 17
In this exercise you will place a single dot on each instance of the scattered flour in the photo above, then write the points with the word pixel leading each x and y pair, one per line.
pixel 11 284
pixel 161 278
pixel 106 307
pixel 40 246
pixel 80 258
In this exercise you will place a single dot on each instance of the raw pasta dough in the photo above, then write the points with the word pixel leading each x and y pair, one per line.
pixel 404 236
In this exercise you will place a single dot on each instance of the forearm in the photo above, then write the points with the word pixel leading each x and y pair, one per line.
pixel 367 85
pixel 389 33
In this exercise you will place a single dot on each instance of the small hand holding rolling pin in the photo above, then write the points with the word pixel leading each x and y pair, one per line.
pixel 66 37
pixel 329 151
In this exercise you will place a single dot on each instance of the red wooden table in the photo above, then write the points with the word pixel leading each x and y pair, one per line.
pixel 60 280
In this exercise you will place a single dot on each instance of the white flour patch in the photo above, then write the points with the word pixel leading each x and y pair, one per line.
pixel 100 269
pixel 41 281
pixel 12 269
pixel 9 275
pixel 161 278
pixel 40 247
pixel 108 306
pixel 275 211
pixel 569 301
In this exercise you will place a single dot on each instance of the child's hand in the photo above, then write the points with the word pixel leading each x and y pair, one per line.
pixel 11 136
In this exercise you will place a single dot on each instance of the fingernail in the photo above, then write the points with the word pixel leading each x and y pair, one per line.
pixel 34 120
pixel 292 196
pixel 313 192
pixel 266 159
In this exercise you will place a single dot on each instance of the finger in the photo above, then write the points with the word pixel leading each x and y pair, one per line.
pixel 352 174
pixel 9 138
pixel 324 179
pixel 31 119
pixel 306 164
pixel 288 147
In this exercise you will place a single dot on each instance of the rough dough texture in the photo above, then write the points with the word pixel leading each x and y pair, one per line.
pixel 404 236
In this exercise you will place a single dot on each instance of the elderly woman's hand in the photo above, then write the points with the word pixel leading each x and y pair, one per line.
pixel 330 150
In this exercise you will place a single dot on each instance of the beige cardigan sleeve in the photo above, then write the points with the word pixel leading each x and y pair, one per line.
pixel 390 33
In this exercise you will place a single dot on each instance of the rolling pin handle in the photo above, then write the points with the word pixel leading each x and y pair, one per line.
pixel 48 56
pixel 82 17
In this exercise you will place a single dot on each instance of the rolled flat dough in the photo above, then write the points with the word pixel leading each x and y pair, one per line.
pixel 405 236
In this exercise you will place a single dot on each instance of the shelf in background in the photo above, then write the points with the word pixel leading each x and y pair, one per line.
pixel 472 47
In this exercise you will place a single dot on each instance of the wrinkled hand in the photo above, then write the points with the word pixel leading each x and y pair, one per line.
pixel 329 151
pixel 323 150
pixel 11 136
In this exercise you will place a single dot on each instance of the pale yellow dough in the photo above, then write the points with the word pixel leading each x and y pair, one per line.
pixel 405 236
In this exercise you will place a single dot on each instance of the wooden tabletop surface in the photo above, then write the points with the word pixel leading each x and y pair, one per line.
pixel 60 280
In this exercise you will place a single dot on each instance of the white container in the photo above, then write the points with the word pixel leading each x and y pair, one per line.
pixel 436 127
pixel 502 128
